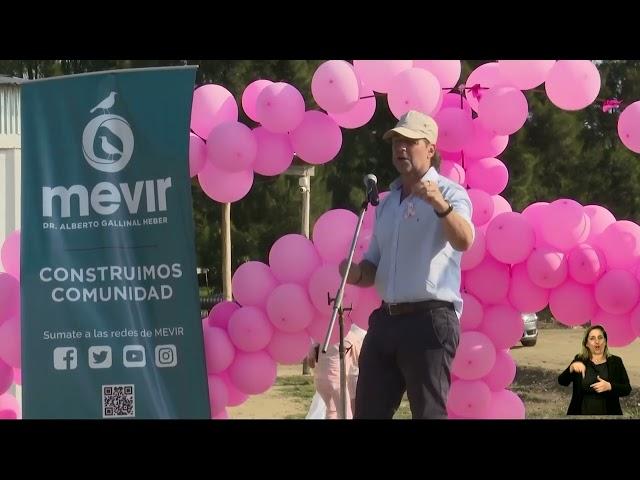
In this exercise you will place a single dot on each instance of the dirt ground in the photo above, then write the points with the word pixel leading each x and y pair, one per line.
pixel 536 380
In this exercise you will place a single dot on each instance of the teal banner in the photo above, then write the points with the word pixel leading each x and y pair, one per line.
pixel 110 309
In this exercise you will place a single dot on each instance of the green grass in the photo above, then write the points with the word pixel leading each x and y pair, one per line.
pixel 537 387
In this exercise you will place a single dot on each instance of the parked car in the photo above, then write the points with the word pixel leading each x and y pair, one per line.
pixel 530 334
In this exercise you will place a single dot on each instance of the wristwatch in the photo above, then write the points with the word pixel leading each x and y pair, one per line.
pixel 446 212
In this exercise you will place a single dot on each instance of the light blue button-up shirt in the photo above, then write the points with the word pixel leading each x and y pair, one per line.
pixel 414 259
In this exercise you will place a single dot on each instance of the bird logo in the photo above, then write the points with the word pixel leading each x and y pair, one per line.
pixel 105 104
pixel 107 140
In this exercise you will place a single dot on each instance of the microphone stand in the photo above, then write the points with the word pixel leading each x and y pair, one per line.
pixel 338 311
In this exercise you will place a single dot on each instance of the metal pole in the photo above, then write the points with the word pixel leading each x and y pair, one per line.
pixel 305 187
pixel 226 252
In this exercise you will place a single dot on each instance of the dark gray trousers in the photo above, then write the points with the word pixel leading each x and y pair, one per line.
pixel 413 353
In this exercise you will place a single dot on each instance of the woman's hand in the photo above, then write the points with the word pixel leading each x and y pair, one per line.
pixel 578 367
pixel 601 385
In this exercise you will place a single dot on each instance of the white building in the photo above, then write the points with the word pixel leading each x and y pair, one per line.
pixel 9 155
pixel 10 165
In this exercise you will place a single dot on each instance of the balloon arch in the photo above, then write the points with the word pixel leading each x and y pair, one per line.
pixel 576 259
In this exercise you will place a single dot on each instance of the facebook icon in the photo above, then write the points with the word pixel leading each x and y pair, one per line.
pixel 65 358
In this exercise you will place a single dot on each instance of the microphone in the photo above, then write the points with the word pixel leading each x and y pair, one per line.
pixel 371 183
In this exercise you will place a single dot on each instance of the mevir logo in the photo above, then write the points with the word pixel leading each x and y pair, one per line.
pixel 107 145
pixel 115 147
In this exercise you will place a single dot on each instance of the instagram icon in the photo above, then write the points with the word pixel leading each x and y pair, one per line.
pixel 166 356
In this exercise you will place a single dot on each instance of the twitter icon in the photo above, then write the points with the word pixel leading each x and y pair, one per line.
pixel 100 357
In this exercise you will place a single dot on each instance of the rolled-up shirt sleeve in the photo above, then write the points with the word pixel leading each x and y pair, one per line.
pixel 461 203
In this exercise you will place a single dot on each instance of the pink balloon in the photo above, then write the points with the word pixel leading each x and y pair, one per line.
pixel 482 206
pixel 473 257
pixel 620 243
pixel 525 74
pixel 10 344
pixel 455 129
pixel 634 322
pixel 9 297
pixel 220 314
pixel 600 219
pixel 231 146
pixel 628 127
pixel 280 107
pixel 524 295
pixel 486 76
pixel 586 264
pixel 572 84
pixel 6 376
pixel 10 254
pixel 488 174
pixel 360 113
pixel 289 308
pixel 547 268
pixel 197 154
pixel 453 171
pixel 469 398
pixel 414 89
pixel 572 303
pixel 317 139
pixel 212 105
pixel 249 329
pixel 253 373
pixel 362 245
pixel 223 415
pixel 510 238
pixel 502 373
pixel 326 281
pixel 506 405
pixel 274 154
pixel 618 327
pixel 333 233
pixel 503 110
pixel 377 74
pixel 252 283
pixel 320 324
pixel 503 324
pixel 17 376
pixel 500 205
pixel 446 71
pixel 334 86
pixel 219 350
pixel 565 224
pixel 617 291
pixel 293 258
pixel 485 143
pixel 455 100
pixel 475 356
pixel 250 97
pixel 535 213
pixel 489 281
pixel 472 313
pixel 218 395
pixel 289 348
pixel 234 396
pixel 368 302
pixel 223 186
pixel 9 407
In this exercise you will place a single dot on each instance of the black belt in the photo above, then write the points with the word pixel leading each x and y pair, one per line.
pixel 412 307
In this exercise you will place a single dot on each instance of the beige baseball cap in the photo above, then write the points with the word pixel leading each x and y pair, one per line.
pixel 415 125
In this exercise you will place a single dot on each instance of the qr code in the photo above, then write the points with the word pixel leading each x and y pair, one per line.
pixel 118 401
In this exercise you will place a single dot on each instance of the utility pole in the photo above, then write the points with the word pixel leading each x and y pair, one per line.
pixel 304 174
